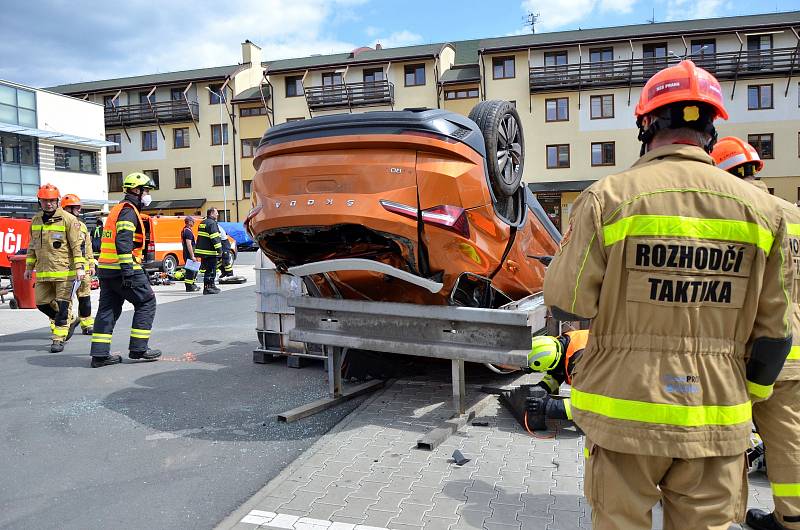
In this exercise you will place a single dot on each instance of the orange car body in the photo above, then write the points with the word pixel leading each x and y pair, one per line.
pixel 392 198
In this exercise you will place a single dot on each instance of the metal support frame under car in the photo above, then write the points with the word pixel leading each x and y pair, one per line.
pixel 460 334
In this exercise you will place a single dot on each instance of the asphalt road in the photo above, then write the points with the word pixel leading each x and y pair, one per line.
pixel 177 443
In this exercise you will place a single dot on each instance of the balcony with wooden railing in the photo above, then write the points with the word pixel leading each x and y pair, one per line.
pixel 633 72
pixel 367 94
pixel 151 113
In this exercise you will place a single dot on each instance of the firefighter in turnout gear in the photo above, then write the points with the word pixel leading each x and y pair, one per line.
pixel 777 419
pixel 225 263
pixel 54 252
pixel 122 277
pixel 683 271
pixel 557 356
pixel 209 248
pixel 72 204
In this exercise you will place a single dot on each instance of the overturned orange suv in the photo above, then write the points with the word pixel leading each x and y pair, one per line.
pixel 419 205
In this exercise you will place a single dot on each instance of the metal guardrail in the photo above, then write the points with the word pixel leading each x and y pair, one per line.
pixel 350 95
pixel 142 114
pixel 724 65
pixel 461 334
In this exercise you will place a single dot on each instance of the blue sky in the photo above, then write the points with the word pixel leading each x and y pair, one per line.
pixel 49 42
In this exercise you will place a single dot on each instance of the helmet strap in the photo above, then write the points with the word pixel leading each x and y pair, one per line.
pixel 689 115
pixel 746 170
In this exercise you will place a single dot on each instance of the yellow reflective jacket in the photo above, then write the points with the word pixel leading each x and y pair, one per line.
pixel 681 266
pixel 54 251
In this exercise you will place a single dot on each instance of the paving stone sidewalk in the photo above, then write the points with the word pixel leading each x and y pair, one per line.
pixel 367 473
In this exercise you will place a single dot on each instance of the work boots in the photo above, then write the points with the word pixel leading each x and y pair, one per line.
pixel 72 326
pixel 57 346
pixel 99 362
pixel 149 355
pixel 192 287
pixel 761 520
pixel 211 289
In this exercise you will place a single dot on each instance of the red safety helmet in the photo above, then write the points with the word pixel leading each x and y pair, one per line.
pixel 679 83
pixel 731 153
pixel 48 191
pixel 70 199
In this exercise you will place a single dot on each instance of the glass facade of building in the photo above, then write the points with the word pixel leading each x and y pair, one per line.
pixel 19 161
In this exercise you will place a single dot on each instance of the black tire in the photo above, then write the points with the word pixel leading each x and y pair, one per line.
pixel 13 304
pixel 170 264
pixel 505 146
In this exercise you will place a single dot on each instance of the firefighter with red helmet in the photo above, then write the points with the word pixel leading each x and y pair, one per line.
pixel 681 270
pixel 54 253
pixel 72 204
pixel 777 419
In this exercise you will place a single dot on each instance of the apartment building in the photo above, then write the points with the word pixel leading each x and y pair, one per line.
pixel 177 127
pixel 575 92
pixel 47 137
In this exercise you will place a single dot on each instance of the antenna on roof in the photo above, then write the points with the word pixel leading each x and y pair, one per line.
pixel 531 21
pixel 652 20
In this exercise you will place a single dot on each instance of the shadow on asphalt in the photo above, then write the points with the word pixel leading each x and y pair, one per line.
pixel 225 398
pixel 60 360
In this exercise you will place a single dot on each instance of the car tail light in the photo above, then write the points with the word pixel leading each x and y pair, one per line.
pixel 400 209
pixel 151 247
pixel 448 217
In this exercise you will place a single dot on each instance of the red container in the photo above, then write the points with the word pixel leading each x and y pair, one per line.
pixel 23 289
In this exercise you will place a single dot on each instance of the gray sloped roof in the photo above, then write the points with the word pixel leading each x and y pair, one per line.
pixel 461 74
pixel 640 31
pixel 467 51
pixel 217 72
pixel 251 94
pixel 367 56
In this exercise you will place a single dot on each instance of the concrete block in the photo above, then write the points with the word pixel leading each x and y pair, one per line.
pixel 439 523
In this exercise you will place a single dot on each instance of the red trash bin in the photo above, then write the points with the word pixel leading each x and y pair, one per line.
pixel 23 289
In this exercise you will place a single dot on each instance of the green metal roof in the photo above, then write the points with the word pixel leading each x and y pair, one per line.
pixel 367 56
pixel 217 72
pixel 461 74
pixel 251 94
pixel 642 31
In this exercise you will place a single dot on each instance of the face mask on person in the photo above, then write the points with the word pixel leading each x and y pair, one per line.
pixel 146 200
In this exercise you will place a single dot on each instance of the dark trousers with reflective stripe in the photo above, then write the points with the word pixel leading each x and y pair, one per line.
pixel 226 264
pixel 112 296
pixel 208 268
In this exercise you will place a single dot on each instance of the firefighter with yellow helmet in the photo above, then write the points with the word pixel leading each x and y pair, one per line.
pixel 777 419
pixel 122 277
pixel 681 269
pixel 54 252
pixel 72 204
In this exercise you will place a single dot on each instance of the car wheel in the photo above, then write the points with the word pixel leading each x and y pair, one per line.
pixel 170 264
pixel 13 304
pixel 505 146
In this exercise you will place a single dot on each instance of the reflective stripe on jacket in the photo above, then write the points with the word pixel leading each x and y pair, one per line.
pixel 791 369
pixel 208 238
pixel 54 247
pixel 109 258
pixel 682 267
